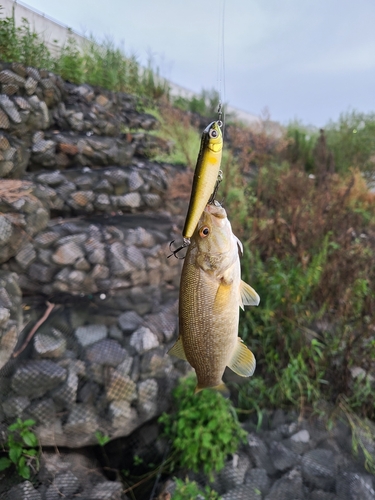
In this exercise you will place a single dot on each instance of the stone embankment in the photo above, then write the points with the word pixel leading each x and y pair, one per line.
pixel 88 304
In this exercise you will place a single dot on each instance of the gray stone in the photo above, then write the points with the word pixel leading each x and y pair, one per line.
pixel 108 490
pixel 14 406
pixel 282 457
pixel 259 454
pixel 319 468
pixel 63 486
pixel 7 76
pixel 143 340
pixel 44 146
pixel 122 416
pixel 37 221
pixel 26 255
pixel 6 230
pixel 23 491
pixel 30 85
pixel 129 321
pixel 68 253
pixel 66 395
pixel 106 352
pixel 42 411
pixel 120 387
pixel 10 109
pixel 35 378
pixel 45 240
pixel 41 273
pixel 354 486
pixel 90 334
pixel 243 492
pixel 135 257
pixel 130 200
pixel 233 474
pixel 302 436
pixel 259 480
pixel 289 487
pixel 323 495
pixel 152 200
pixel 51 178
pixel 51 344
pixel 82 419
pixel 135 181
pixel 4 316
pixel 147 398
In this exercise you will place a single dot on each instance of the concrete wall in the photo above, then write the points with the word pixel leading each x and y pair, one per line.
pixel 55 35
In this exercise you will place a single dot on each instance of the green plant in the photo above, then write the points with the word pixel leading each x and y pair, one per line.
pixel 204 428
pixel 189 490
pixel 102 439
pixel 21 448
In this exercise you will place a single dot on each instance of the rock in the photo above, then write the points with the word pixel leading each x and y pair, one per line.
pixel 35 378
pixel 4 316
pixel 45 240
pixel 42 411
pixel 51 178
pixel 68 253
pixel 287 487
pixel 233 474
pixel 14 406
pixel 83 198
pixel 106 352
pixel 354 486
pixel 135 257
pixel 243 492
pixel 51 344
pixel 319 468
pixel 121 387
pixel 66 395
pixel 6 230
pixel 82 419
pixel 130 200
pixel 259 454
pixel 135 181
pixel 143 340
pixel 122 416
pixel 129 321
pixel 26 255
pixel 90 334
pixel 258 480
pixel 64 485
pixel 24 491
pixel 302 436
pixel 108 490
pixel 10 109
pixel 282 457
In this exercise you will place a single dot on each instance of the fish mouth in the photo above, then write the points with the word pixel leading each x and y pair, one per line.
pixel 216 210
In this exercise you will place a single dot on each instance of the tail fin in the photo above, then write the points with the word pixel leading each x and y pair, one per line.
pixel 222 388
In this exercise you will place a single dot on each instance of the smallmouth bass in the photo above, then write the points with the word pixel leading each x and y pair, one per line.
pixel 205 176
pixel 211 293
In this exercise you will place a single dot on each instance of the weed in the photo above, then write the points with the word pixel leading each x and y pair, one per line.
pixel 204 428
pixel 20 446
pixel 189 490
pixel 102 438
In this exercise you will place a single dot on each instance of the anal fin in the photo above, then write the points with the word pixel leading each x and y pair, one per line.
pixel 178 350
pixel 243 360
pixel 248 296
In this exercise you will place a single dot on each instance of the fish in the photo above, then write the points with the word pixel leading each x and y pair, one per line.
pixel 205 176
pixel 211 294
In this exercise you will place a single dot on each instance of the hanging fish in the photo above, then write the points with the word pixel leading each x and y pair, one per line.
pixel 205 175
pixel 211 293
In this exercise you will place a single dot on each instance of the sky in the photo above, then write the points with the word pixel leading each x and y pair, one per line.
pixel 306 60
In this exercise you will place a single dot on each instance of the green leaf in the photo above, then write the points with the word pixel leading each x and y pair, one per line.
pixel 5 463
pixel 24 472
pixel 29 438
pixel 15 452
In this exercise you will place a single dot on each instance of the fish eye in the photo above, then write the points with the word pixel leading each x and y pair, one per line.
pixel 213 133
pixel 204 232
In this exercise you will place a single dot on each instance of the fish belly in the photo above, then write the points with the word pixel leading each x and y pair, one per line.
pixel 208 329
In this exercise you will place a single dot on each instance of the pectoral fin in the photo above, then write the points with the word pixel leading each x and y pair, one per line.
pixel 243 360
pixel 248 296
pixel 178 350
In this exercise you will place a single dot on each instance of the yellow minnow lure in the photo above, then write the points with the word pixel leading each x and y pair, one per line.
pixel 205 177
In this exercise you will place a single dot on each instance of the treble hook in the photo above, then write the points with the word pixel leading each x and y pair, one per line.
pixel 219 179
pixel 186 243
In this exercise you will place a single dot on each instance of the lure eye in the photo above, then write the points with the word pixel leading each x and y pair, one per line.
pixel 213 133
pixel 204 232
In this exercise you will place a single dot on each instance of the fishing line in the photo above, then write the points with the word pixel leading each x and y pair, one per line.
pixel 221 67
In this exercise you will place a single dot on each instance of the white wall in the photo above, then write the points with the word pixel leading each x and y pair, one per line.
pixel 55 35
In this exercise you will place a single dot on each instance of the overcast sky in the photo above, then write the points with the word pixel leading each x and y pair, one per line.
pixel 303 59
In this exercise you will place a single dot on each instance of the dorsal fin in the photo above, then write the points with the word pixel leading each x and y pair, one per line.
pixel 248 296
pixel 243 360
